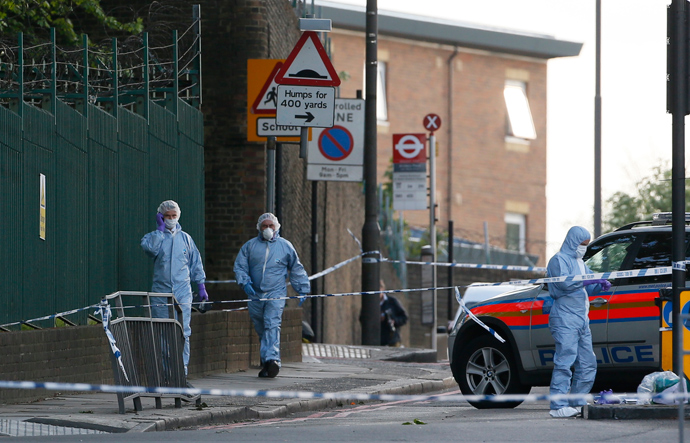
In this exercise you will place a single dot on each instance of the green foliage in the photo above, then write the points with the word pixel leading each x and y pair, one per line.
pixel 653 195
pixel 35 17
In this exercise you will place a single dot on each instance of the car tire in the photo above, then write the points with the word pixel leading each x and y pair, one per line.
pixel 486 366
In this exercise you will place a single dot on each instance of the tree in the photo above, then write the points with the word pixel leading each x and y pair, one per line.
pixel 35 17
pixel 653 195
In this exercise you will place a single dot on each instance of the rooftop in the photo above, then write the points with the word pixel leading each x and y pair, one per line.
pixel 454 33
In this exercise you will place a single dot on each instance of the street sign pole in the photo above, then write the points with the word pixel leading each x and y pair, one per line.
pixel 432 231
pixel 371 310
pixel 678 106
pixel 432 122
pixel 270 174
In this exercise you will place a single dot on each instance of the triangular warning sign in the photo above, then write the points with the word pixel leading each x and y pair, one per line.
pixel 266 101
pixel 308 64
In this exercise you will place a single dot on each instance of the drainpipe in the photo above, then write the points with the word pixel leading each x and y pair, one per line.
pixel 451 70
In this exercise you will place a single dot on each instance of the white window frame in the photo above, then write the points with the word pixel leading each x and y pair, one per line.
pixel 520 124
pixel 381 98
pixel 512 218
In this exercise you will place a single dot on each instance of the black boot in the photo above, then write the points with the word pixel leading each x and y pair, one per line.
pixel 264 371
pixel 272 368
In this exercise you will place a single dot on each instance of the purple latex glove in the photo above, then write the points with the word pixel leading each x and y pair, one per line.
pixel 605 284
pixel 160 223
pixel 203 295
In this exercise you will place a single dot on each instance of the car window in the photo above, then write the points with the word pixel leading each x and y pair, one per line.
pixel 655 251
pixel 609 255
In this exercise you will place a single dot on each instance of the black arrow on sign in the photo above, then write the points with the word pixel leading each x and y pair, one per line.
pixel 309 117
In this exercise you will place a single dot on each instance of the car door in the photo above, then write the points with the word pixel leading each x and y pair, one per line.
pixel 609 254
pixel 633 332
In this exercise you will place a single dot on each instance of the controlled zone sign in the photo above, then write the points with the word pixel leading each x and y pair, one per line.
pixel 337 153
pixel 409 172
pixel 308 64
pixel 261 103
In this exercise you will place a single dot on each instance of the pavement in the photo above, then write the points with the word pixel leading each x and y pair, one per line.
pixel 324 368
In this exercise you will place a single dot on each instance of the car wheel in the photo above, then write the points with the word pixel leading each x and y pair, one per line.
pixel 487 367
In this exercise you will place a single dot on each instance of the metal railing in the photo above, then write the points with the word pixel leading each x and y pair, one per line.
pixel 151 348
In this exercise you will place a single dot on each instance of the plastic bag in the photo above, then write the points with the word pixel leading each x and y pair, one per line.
pixel 659 382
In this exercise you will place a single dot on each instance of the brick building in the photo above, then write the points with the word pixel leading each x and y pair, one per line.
pixel 491 164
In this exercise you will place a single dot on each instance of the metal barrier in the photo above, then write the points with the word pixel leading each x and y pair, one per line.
pixel 151 349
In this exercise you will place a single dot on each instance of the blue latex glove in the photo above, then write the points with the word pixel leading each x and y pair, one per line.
pixel 249 290
pixel 203 295
pixel 302 299
pixel 160 223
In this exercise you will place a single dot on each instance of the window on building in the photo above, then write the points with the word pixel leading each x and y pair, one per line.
pixel 381 98
pixel 515 232
pixel 519 122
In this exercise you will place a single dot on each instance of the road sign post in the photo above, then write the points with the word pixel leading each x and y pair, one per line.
pixel 432 122
pixel 432 232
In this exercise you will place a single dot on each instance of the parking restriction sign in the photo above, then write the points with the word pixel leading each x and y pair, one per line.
pixel 337 153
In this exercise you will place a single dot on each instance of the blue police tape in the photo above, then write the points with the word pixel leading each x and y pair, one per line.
pixel 664 270
pixel 635 273
pixel 359 243
pixel 469 265
pixel 50 317
pixel 341 264
pixel 325 271
pixel 318 274
pixel 249 393
pixel 474 317
pixel 106 315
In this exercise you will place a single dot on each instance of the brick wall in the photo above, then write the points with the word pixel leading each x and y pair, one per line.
pixel 232 32
pixel 220 342
pixel 235 169
pixel 485 176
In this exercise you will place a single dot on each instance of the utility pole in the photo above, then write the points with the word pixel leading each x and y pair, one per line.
pixel 432 235
pixel 678 106
pixel 597 128
pixel 371 310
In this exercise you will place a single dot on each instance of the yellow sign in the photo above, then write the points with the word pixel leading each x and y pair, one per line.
pixel 262 102
pixel 667 334
pixel 42 210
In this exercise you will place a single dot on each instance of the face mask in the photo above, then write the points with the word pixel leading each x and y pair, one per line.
pixel 580 252
pixel 267 233
pixel 170 223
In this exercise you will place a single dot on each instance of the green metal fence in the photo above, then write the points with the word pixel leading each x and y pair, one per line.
pixel 104 179
pixel 106 161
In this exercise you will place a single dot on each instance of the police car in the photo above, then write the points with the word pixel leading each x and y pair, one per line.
pixel 624 322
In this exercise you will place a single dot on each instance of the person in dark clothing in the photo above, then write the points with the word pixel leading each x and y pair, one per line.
pixel 393 316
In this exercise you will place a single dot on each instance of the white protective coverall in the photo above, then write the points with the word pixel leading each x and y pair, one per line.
pixel 569 322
